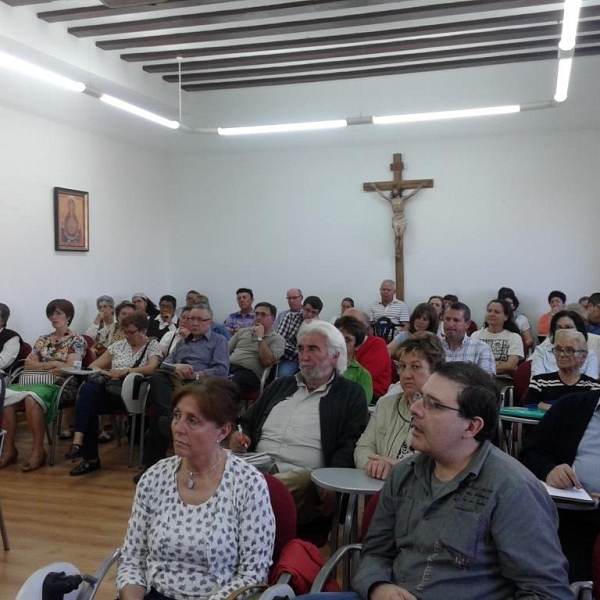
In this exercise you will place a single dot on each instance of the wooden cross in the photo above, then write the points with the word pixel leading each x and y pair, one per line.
pixel 395 198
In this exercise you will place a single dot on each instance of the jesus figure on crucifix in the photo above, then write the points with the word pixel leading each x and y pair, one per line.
pixel 396 199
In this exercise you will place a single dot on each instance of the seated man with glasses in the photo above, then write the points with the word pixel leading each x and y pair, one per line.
pixel 203 353
pixel 570 351
pixel 461 519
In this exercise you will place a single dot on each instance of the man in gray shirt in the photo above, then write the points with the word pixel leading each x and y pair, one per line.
pixel 461 519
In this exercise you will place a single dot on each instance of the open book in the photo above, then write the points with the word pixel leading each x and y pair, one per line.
pixel 569 495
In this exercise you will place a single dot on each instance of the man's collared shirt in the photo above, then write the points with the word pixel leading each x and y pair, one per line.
pixel 292 431
pixel 396 310
pixel 473 351
pixel 289 329
pixel 207 353
pixel 237 320
pixel 479 535
pixel 244 349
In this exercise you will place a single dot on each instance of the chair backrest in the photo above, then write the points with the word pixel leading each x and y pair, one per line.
pixel 284 510
pixel 521 377
pixel 368 514
pixel 134 393
pixel 24 352
pixel 384 328
pixel 88 359
pixel 32 588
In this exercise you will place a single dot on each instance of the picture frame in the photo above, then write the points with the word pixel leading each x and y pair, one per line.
pixel 71 220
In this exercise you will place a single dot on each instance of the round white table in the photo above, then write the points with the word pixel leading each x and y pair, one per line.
pixel 350 483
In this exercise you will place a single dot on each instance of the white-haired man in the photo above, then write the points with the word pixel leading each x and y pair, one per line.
pixel 328 413
pixel 389 306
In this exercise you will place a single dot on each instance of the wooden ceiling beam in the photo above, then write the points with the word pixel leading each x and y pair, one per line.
pixel 435 56
pixel 388 18
pixel 354 38
pixel 244 13
pixel 387 71
pixel 550 32
pixel 99 11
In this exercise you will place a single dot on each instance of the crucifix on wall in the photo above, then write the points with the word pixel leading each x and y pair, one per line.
pixel 397 200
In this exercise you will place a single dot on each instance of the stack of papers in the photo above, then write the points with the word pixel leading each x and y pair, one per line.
pixel 569 495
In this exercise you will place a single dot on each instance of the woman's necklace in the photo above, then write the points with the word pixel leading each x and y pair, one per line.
pixel 191 483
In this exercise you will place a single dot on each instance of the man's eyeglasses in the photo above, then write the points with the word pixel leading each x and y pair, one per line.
pixel 430 404
pixel 130 331
pixel 198 320
pixel 558 351
pixel 292 297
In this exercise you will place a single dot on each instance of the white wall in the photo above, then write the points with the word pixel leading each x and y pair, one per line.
pixel 519 210
pixel 126 186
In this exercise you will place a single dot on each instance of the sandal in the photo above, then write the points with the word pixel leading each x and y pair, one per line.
pixel 34 466
pixel 74 452
pixel 67 434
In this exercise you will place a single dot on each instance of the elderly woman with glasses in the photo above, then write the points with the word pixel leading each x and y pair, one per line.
pixel 387 438
pixel 102 329
pixel 544 361
pixel 102 392
pixel 570 350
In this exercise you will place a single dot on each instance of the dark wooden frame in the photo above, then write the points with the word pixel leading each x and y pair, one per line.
pixel 80 240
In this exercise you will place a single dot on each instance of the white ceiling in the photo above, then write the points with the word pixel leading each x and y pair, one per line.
pixel 50 44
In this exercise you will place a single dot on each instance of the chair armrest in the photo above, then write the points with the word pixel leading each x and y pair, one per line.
pixel 582 590
pixel 331 564
pixel 96 579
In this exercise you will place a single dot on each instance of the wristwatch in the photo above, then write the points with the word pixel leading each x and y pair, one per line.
pixel 259 339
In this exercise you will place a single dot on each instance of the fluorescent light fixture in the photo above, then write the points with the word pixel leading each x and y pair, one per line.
pixel 309 126
pixel 570 20
pixel 140 112
pixel 447 114
pixel 26 68
pixel 562 80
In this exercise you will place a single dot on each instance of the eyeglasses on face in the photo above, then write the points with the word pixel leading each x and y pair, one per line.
pixel 558 351
pixel 430 404
pixel 130 331
pixel 292 297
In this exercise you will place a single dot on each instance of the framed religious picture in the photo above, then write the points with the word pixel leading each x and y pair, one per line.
pixel 71 220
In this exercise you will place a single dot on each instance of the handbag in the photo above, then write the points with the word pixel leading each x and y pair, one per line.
pixel 115 386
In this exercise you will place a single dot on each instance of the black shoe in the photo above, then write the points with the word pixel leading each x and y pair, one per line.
pixel 74 452
pixel 84 467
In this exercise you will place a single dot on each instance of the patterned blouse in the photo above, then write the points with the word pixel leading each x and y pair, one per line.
pixel 201 551
pixel 46 348
pixel 124 358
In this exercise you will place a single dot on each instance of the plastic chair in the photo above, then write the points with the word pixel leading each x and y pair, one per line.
pixel 346 552
pixel 251 397
pixel 24 352
pixel 88 358
pixel 33 588
pixel 134 394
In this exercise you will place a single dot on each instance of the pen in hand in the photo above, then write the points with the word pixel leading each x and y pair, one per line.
pixel 244 441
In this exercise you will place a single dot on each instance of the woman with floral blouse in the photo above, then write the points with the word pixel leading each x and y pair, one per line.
pixel 51 353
